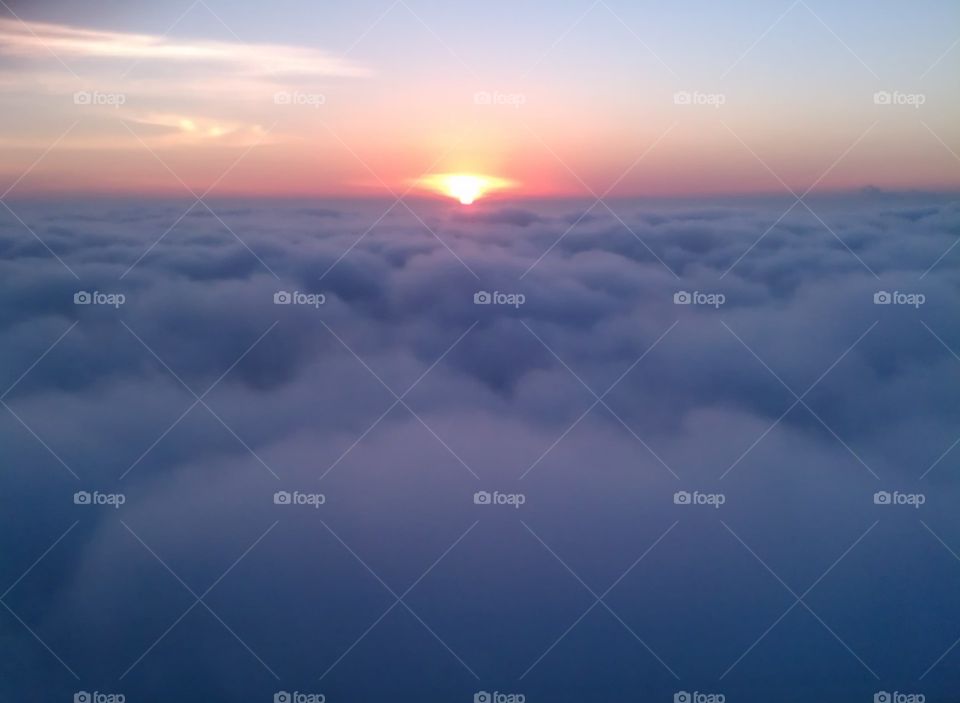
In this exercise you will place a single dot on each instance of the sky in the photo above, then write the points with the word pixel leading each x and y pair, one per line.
pixel 505 352
pixel 561 99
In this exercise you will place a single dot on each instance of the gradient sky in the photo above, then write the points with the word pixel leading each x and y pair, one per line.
pixel 383 92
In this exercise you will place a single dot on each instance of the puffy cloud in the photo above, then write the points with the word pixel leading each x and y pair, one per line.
pixel 499 395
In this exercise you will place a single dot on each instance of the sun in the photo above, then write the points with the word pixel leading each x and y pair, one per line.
pixel 465 187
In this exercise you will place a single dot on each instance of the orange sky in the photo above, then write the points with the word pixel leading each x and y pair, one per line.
pixel 161 115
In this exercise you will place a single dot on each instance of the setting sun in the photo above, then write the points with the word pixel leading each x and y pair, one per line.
pixel 465 187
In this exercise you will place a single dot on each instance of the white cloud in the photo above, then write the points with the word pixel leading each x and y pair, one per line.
pixel 39 40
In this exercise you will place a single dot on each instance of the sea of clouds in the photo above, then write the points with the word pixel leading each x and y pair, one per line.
pixel 565 450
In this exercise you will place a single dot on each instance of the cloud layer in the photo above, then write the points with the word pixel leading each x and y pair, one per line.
pixel 707 349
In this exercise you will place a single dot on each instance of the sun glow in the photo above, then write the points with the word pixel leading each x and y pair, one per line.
pixel 465 187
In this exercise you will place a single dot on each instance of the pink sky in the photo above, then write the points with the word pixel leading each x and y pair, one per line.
pixel 96 111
